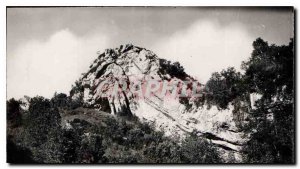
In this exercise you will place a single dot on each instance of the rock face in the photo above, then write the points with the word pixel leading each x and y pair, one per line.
pixel 135 67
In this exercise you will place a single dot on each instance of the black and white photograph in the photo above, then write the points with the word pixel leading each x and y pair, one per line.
pixel 150 85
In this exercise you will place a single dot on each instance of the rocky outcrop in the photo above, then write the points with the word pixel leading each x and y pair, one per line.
pixel 131 67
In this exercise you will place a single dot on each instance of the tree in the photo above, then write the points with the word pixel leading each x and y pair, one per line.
pixel 223 87
pixel 173 69
pixel 269 72
pixel 13 114
pixel 60 100
pixel 42 118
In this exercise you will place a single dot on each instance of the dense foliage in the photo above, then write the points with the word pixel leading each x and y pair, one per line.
pixel 269 72
pixel 42 138
pixel 13 112
pixel 173 69
pixel 223 87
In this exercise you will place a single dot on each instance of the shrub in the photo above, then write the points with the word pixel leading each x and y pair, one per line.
pixel 197 150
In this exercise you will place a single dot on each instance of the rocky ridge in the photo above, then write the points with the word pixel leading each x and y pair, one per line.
pixel 176 118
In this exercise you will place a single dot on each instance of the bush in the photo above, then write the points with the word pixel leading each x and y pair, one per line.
pixel 197 150
pixel 173 69
pixel 18 155
pixel 43 118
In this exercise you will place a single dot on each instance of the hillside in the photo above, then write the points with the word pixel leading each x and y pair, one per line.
pixel 131 106
pixel 175 115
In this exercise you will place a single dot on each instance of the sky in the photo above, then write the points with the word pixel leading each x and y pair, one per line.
pixel 49 48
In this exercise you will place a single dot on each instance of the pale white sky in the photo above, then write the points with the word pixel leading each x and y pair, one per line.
pixel 48 48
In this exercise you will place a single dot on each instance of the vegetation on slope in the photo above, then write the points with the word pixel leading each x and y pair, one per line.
pixel 53 131
pixel 270 73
